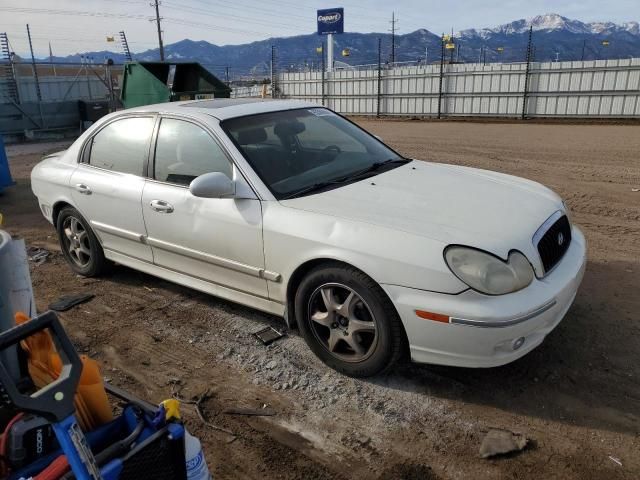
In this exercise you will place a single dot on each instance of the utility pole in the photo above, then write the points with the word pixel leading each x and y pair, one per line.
pixel 453 40
pixel 323 69
pixel 158 18
pixel 393 38
pixel 584 44
pixel 273 72
pixel 33 65
pixel 379 93
pixel 526 74
pixel 441 76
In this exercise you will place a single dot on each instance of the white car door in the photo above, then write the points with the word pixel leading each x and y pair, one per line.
pixel 108 183
pixel 218 240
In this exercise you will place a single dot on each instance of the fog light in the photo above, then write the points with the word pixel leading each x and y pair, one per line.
pixel 517 343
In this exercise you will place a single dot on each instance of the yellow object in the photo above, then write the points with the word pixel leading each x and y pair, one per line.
pixel 450 46
pixel 605 43
pixel 500 49
pixel 446 37
pixel 171 409
pixel 0 219
pixel 45 365
pixel 111 39
pixel 318 49
pixel 346 52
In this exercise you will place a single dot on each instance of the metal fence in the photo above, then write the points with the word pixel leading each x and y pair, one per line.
pixel 16 119
pixel 592 89
pixel 53 89
pixel 48 103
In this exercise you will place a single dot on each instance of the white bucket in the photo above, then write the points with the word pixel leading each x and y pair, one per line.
pixel 16 292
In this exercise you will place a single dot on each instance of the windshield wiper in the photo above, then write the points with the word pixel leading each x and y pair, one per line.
pixel 350 177
pixel 312 188
pixel 374 167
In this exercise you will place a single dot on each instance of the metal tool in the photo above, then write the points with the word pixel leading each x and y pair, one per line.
pixel 55 402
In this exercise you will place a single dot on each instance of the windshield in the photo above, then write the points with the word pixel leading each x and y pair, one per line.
pixel 299 152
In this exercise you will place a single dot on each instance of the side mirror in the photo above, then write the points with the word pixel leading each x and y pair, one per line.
pixel 212 185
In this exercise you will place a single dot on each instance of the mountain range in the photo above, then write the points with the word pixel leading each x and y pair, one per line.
pixel 554 37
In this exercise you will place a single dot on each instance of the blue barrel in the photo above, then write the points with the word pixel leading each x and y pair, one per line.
pixel 5 174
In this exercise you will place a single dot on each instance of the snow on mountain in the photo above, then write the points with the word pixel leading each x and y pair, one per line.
pixel 552 22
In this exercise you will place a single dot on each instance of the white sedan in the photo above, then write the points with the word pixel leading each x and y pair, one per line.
pixel 292 209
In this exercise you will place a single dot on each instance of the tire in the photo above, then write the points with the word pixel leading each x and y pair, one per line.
pixel 79 245
pixel 348 321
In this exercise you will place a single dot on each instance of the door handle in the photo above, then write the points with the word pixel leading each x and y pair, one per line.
pixel 83 189
pixel 161 206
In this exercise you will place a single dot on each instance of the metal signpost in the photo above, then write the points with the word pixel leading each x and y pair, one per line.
pixel 330 22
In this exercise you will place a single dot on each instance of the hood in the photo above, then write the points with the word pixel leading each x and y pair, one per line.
pixel 450 204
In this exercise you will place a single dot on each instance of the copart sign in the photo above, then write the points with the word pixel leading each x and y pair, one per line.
pixel 330 20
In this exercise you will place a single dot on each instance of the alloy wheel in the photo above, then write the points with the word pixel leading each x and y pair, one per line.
pixel 76 241
pixel 343 322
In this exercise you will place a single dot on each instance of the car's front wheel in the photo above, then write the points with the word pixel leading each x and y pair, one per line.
pixel 348 321
pixel 79 245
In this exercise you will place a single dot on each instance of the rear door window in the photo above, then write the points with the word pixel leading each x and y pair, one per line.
pixel 123 145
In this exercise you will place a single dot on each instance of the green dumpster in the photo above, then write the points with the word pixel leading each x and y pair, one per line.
pixel 146 83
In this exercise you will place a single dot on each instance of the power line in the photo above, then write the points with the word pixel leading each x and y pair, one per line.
pixel 51 11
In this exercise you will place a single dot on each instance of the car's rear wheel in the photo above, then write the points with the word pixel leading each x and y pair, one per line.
pixel 348 321
pixel 79 245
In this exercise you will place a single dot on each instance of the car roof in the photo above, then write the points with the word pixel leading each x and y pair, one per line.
pixel 225 108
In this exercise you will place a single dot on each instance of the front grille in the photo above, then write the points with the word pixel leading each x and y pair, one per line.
pixel 554 243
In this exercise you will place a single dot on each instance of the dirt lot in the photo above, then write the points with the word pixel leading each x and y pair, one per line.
pixel 577 396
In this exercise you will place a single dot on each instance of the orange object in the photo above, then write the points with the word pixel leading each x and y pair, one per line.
pixel 436 317
pixel 45 365
pixel 55 470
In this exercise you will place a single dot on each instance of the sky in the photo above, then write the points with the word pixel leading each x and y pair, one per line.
pixel 73 26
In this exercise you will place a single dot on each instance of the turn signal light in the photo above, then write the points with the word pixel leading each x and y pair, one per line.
pixel 436 317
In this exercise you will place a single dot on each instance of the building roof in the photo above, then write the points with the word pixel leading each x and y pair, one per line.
pixel 226 108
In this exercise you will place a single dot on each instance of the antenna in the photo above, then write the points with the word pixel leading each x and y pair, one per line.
pixel 393 22
pixel 125 46
pixel 9 69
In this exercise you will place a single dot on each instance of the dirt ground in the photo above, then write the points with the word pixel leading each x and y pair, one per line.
pixel 577 396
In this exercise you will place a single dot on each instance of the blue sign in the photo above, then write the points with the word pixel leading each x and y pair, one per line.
pixel 330 20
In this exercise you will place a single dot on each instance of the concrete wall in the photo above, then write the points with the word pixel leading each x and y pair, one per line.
pixel 593 89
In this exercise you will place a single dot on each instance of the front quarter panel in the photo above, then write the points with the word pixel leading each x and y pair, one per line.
pixel 293 237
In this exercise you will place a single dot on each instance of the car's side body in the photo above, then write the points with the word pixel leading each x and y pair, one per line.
pixel 252 248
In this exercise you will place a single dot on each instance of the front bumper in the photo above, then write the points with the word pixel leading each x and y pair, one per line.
pixel 488 331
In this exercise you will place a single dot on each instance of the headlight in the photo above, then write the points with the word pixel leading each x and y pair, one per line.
pixel 489 274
